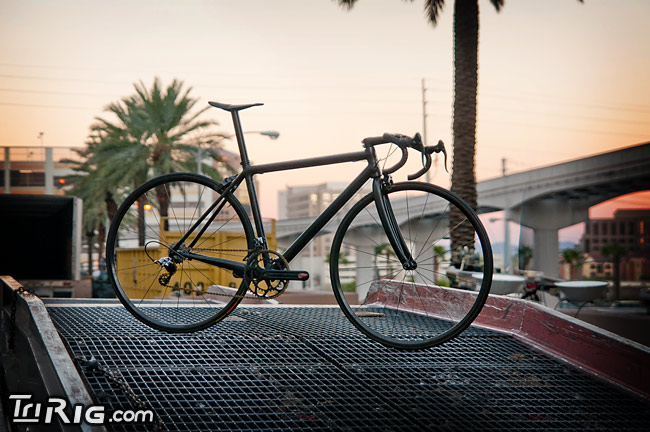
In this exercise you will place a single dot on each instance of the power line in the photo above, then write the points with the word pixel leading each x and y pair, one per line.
pixel 587 131
pixel 47 106
pixel 364 113
pixel 52 92
pixel 365 85
pixel 566 101
pixel 363 100
pixel 599 119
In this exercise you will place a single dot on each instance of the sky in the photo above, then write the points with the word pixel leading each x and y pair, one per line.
pixel 558 80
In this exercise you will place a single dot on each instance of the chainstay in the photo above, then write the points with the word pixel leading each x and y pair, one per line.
pixel 248 253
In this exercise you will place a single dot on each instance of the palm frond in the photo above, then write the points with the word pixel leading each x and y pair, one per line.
pixel 498 4
pixel 432 9
pixel 347 4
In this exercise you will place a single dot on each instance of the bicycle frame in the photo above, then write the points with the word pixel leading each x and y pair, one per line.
pixel 246 175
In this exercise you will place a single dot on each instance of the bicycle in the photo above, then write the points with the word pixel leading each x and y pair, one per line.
pixel 183 250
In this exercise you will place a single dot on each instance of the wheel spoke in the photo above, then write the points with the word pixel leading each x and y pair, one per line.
pixel 414 313
pixel 144 277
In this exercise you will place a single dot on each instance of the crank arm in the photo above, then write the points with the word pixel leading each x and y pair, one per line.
pixel 284 275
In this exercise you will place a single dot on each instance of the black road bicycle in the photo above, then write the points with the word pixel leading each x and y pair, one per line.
pixel 184 250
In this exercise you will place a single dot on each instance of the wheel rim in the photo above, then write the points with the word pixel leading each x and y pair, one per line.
pixel 406 308
pixel 159 287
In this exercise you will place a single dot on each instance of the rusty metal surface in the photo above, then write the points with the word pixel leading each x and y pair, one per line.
pixel 598 351
pixel 38 344
pixel 307 368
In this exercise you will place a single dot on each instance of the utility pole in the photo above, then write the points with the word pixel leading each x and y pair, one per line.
pixel 506 232
pixel 199 171
pixel 424 122
pixel 199 158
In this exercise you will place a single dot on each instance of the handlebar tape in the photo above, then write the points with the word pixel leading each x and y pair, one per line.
pixel 371 141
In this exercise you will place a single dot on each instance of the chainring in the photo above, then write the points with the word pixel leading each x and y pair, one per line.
pixel 266 259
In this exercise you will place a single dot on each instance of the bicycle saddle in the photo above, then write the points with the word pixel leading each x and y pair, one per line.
pixel 232 108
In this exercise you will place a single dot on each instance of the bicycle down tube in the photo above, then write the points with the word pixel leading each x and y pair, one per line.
pixel 311 231
pixel 326 216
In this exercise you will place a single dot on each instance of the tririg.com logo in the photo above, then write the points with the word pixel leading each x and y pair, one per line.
pixel 56 409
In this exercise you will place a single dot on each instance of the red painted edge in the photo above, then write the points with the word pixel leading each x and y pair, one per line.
pixel 603 353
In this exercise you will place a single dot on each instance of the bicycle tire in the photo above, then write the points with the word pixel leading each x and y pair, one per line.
pixel 361 245
pixel 141 236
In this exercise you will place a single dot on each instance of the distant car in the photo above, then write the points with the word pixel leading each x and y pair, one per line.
pixel 101 286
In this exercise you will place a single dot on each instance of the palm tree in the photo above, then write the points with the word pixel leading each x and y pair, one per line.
pixel 88 183
pixel 572 257
pixel 439 253
pixel 93 216
pixel 525 255
pixel 386 250
pixel 463 177
pixel 155 133
pixel 616 252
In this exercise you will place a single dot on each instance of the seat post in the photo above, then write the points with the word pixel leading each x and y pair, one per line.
pixel 250 184
pixel 245 162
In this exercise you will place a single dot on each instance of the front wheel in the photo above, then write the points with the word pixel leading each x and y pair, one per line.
pixel 421 307
pixel 160 287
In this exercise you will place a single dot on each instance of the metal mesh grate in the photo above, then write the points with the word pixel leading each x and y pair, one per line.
pixel 308 368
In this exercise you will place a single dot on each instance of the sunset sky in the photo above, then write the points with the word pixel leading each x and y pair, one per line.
pixel 558 79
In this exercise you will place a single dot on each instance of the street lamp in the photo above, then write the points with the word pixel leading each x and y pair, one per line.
pixel 271 134
pixel 199 151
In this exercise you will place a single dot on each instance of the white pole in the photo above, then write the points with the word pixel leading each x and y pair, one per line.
pixel 506 247
pixel 7 170
pixel 424 122
pixel 199 170
pixel 49 171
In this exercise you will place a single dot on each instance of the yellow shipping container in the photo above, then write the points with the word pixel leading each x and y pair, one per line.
pixel 139 277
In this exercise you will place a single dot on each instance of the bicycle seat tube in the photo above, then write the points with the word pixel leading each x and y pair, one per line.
pixel 250 184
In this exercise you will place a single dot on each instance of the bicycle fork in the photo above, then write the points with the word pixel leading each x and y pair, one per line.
pixel 380 190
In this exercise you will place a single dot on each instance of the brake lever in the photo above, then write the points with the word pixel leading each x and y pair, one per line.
pixel 439 148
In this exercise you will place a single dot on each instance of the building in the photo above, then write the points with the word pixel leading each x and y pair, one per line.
pixel 297 202
pixel 40 171
pixel 629 228
pixel 35 170
pixel 229 164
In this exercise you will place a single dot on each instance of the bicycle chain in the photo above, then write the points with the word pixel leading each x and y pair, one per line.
pixel 262 292
pixel 248 251
pixel 115 377
pixel 246 258
pixel 248 254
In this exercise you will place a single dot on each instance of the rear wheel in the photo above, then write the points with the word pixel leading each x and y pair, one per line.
pixel 417 308
pixel 158 286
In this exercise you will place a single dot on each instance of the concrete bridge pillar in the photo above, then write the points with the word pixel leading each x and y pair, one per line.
pixel 546 217
pixel 545 252
pixel 363 241
pixel 426 234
